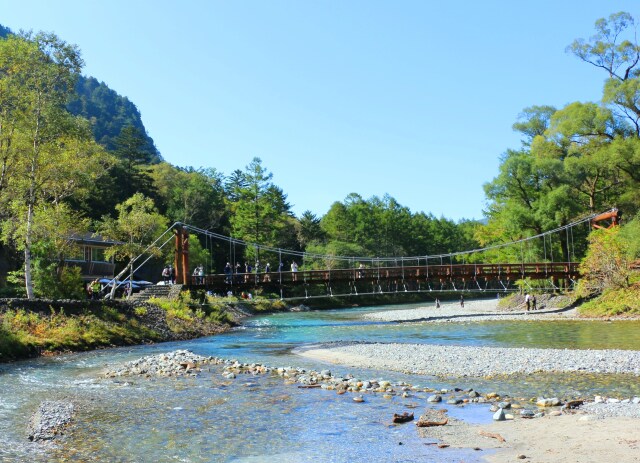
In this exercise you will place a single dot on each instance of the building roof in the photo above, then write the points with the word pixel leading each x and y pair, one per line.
pixel 93 238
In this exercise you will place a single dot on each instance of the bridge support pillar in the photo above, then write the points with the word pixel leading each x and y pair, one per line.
pixel 181 256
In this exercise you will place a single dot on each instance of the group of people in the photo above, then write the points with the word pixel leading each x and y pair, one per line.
pixel 168 275
pixel 95 289
pixel 198 275
pixel 249 270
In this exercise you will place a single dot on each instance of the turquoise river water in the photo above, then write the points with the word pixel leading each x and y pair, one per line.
pixel 260 419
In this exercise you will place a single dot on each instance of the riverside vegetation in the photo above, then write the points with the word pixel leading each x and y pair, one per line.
pixel 44 327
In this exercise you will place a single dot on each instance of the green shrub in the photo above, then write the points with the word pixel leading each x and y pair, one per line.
pixel 52 283
pixel 24 333
pixel 140 311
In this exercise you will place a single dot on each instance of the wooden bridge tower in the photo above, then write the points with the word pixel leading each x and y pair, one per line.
pixel 181 259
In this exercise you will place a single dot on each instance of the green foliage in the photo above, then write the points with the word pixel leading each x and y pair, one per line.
pixel 615 302
pixel 138 224
pixel 4 31
pixel 186 315
pixel 309 230
pixel 384 228
pixel 606 264
pixel 25 333
pixel 261 212
pixel 140 311
pixel 46 153
pixel 109 113
pixel 53 282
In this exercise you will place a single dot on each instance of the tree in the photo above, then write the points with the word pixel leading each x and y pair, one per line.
pixel 137 226
pixel 261 211
pixel 308 229
pixel 47 154
pixel 614 49
pixel 606 264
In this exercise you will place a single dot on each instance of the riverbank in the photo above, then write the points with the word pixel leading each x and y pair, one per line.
pixel 461 361
pixel 31 328
pixel 567 438
pixel 598 432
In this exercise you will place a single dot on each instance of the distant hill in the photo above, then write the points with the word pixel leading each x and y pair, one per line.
pixel 108 111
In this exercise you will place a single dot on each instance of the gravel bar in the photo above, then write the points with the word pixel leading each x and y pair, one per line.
pixel 462 361
pixel 473 311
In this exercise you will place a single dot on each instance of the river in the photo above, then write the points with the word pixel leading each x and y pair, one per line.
pixel 260 419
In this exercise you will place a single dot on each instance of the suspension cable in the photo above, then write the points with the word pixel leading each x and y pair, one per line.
pixel 302 254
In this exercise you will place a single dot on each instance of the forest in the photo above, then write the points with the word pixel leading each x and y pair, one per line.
pixel 75 158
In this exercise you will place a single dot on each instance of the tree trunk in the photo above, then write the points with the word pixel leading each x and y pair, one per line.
pixel 112 294
pixel 28 283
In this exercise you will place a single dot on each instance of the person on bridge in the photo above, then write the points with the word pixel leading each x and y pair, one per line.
pixel 238 272
pixel 196 275
pixel 267 269
pixel 227 272
pixel 294 270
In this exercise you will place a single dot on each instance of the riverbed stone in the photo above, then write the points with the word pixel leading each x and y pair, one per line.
pixel 527 413
pixel 547 402
pixel 434 398
pixel 499 415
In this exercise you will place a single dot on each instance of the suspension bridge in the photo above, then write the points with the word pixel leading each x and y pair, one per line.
pixel 298 274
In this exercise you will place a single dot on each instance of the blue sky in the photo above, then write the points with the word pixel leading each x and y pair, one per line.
pixel 414 99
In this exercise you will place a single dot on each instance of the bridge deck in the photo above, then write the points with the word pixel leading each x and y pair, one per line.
pixel 426 273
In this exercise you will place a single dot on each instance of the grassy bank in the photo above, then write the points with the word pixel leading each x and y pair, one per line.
pixel 622 302
pixel 24 333
pixel 33 328
pixel 70 326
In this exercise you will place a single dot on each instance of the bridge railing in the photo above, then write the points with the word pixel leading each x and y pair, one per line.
pixel 538 270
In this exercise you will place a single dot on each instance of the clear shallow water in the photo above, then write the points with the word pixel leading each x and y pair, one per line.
pixel 211 419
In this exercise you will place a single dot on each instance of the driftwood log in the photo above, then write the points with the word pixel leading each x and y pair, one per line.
pixel 427 424
pixel 404 418
pixel 493 435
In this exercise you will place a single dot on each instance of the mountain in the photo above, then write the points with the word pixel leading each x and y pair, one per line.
pixel 108 111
